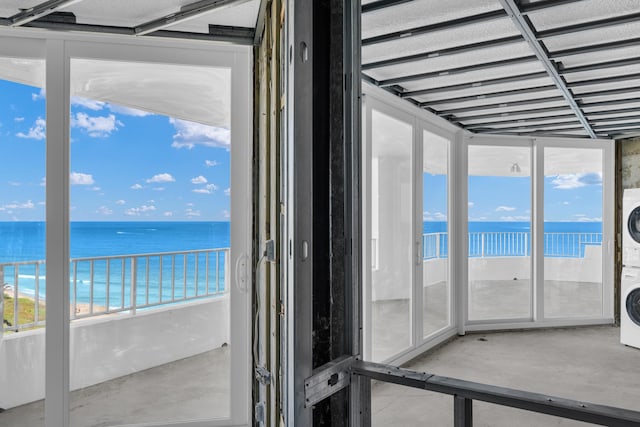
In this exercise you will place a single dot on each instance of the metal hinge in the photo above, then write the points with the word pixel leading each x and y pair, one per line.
pixel 263 376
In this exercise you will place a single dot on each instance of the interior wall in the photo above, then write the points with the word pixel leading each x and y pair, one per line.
pixel 627 176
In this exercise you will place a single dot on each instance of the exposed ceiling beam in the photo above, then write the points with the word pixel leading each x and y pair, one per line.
pixel 526 29
pixel 489 95
pixel 503 105
pixel 5 22
pixel 454 23
pixel 106 29
pixel 381 4
pixel 544 133
pixel 443 52
pixel 39 10
pixel 602 80
pixel 617 20
pixel 614 111
pixel 618 126
pixel 607 92
pixel 459 70
pixel 594 48
pixel 601 65
pixel 615 119
pixel 543 4
pixel 610 102
pixel 511 121
pixel 187 12
pixel 508 113
pixel 475 85
pixel 529 126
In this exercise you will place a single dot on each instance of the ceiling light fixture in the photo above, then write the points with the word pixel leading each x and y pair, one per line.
pixel 189 11
pixel 37 11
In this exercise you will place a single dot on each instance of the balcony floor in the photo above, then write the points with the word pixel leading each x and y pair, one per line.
pixel 587 364
pixel 189 389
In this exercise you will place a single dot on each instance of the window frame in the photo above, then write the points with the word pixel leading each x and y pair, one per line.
pixel 58 48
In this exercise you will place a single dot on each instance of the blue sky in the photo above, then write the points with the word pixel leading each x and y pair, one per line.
pixel 570 197
pixel 126 164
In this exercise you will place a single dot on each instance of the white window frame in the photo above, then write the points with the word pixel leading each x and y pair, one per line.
pixel 58 48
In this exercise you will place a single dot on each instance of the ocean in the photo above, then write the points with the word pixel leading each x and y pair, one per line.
pixel 25 241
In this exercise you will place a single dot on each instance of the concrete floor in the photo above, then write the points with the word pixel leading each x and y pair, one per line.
pixel 188 389
pixel 587 364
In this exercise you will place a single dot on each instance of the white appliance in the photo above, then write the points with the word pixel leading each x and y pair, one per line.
pixel 631 228
pixel 630 307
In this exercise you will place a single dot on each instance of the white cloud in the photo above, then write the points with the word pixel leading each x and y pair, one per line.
pixel 576 180
pixel 139 211
pixel 207 189
pixel 211 163
pixel 226 214
pixel 96 127
pixel 586 219
pixel 37 131
pixel 136 187
pixel 470 204
pixel 190 134
pixel 168 213
pixel 103 210
pixel 199 180
pixel 16 205
pixel 505 209
pixel 227 192
pixel 90 104
pixel 15 184
pixel 120 202
pixel 161 177
pixel 191 213
pixel 77 178
pixel 41 95
pixel 565 203
pixel 515 218
pixel 120 109
pixel 18 119
pixel 158 188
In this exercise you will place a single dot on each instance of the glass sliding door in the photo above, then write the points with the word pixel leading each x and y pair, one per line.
pixel 391 243
pixel 23 306
pixel 499 239
pixel 573 232
pixel 435 237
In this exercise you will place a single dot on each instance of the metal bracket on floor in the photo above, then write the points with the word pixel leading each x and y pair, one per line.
pixel 327 380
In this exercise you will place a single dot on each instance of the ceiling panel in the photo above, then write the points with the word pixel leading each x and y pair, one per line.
pixel 631 105
pixel 420 13
pixel 606 86
pixel 602 73
pixel 525 117
pixel 479 56
pixel 483 89
pixel 239 15
pixel 499 100
pixel 474 76
pixel 601 56
pixel 11 7
pixel 592 37
pixel 581 12
pixel 506 109
pixel 123 13
pixel 442 39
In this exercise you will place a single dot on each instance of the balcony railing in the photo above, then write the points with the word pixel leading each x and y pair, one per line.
pixel 512 244
pixel 122 283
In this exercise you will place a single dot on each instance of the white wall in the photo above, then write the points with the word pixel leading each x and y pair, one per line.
pixel 113 346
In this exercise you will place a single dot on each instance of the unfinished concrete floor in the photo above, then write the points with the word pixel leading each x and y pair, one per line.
pixel 587 364
pixel 189 389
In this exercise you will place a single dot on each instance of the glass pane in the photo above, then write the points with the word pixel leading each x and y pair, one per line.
pixel 150 236
pixel 435 237
pixel 22 242
pixel 499 232
pixel 391 235
pixel 572 232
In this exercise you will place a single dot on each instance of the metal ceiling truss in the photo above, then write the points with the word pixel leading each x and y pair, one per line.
pixel 445 25
pixel 458 70
pixel 509 113
pixel 594 48
pixel 454 111
pixel 519 121
pixel 476 84
pixel 526 7
pixel 613 79
pixel 381 4
pixel 490 95
pixel 45 16
pixel 443 52
pixel 618 20
pixel 524 25
pixel 42 9
pixel 524 126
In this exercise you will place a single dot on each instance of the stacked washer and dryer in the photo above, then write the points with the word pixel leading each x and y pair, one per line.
pixel 630 295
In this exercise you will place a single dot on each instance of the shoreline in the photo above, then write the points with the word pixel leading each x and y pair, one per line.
pixel 82 308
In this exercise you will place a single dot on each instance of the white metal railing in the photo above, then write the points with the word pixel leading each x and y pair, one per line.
pixel 112 284
pixel 512 244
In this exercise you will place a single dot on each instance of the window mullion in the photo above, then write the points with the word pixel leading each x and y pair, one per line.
pixel 57 236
